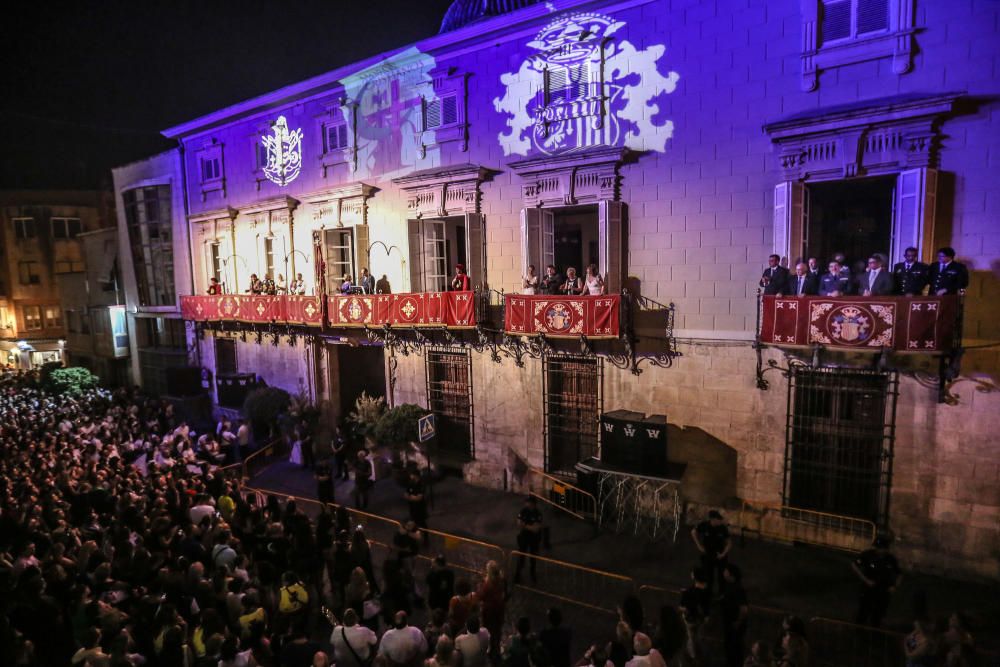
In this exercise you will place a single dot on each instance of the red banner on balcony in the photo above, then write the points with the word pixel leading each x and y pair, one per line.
pixel 904 324
pixel 303 310
pixel 423 309
pixel 562 317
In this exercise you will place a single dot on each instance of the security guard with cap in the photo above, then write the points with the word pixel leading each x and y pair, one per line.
pixel 879 573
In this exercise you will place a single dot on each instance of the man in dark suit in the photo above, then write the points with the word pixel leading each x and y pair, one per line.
pixel 814 269
pixel 803 283
pixel 552 281
pixel 948 276
pixel 877 281
pixel 834 283
pixel 910 276
pixel 775 277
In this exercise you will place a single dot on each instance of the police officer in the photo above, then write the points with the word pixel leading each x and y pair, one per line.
pixel 712 539
pixel 879 573
pixel 416 499
pixel 910 276
pixel 948 276
pixel 529 537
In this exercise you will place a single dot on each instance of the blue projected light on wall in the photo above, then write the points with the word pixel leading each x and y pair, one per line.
pixel 388 100
pixel 284 153
pixel 583 88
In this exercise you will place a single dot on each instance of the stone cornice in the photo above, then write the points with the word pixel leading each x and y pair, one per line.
pixel 283 202
pixel 229 213
pixel 444 191
pixel 575 177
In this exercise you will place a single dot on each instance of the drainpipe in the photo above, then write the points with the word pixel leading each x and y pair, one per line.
pixel 187 224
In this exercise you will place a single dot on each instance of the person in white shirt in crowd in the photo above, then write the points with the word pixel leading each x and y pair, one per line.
pixel 473 644
pixel 403 644
pixel 204 506
pixel 645 655
pixel 352 642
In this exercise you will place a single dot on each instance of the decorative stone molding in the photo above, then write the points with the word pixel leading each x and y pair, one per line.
pixel 444 191
pixel 347 111
pixel 211 149
pixel 343 206
pixel 448 83
pixel 878 137
pixel 577 177
pixel 896 42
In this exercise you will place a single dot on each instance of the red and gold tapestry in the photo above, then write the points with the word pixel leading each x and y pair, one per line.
pixel 562 317
pixel 418 309
pixel 904 324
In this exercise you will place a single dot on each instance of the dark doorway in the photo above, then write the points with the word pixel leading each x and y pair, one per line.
pixel 851 216
pixel 573 404
pixel 575 238
pixel 354 370
pixel 839 441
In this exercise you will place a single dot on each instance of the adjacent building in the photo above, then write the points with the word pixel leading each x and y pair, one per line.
pixel 673 144
pixel 155 268
pixel 40 242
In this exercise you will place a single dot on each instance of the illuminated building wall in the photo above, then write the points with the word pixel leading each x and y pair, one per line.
pixel 732 114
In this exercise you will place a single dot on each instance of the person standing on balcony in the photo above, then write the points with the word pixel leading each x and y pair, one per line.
pixel 461 282
pixel 948 276
pixel 910 275
pixel 552 282
pixel 530 283
pixel 774 277
pixel 367 282
pixel 834 283
pixel 279 284
pixel 593 283
pixel 573 285
pixel 877 282
pixel 256 286
pixel 346 285
pixel 879 573
pixel 803 283
pixel 214 288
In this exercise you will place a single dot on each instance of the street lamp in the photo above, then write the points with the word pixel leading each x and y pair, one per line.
pixel 388 251
pixel 225 269
pixel 288 277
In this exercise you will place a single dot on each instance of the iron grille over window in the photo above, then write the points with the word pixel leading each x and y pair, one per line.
pixel 573 404
pixel 449 397
pixel 839 440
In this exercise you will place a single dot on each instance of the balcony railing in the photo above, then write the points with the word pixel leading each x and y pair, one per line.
pixel 875 324
pixel 562 316
pixel 426 309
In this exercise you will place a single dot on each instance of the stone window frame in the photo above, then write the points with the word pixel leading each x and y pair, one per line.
pixel 897 42
pixel 276 216
pixel 446 192
pixel 212 149
pixel 338 111
pixel 344 207
pixel 446 82
pixel 571 179
pixel 896 136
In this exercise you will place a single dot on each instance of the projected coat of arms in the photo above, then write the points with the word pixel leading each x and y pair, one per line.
pixel 582 88
pixel 284 153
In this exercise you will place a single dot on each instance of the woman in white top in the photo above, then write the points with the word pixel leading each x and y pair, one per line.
pixel 593 283
pixel 573 285
pixel 530 283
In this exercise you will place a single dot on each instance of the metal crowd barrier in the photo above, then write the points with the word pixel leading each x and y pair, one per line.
pixel 560 494
pixel 469 554
pixel 794 524
pixel 570 582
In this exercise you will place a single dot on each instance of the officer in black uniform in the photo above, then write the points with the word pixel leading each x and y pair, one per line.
pixel 712 539
pixel 948 276
pixel 910 276
pixel 879 573
pixel 529 537
pixel 416 499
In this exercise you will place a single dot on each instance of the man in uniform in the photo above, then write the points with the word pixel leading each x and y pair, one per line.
pixel 529 537
pixel 910 276
pixel 775 277
pixel 735 610
pixel 879 573
pixel 712 539
pixel 834 283
pixel 362 479
pixel 416 499
pixel 947 276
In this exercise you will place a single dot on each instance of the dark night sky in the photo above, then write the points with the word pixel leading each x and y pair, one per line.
pixel 88 85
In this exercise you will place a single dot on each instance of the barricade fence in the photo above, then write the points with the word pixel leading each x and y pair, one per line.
pixel 560 494
pixel 587 586
pixel 794 524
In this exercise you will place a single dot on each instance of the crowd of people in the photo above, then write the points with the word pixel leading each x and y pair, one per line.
pixel 910 277
pixel 117 548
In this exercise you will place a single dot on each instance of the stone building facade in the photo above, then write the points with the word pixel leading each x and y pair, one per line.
pixel 675 144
